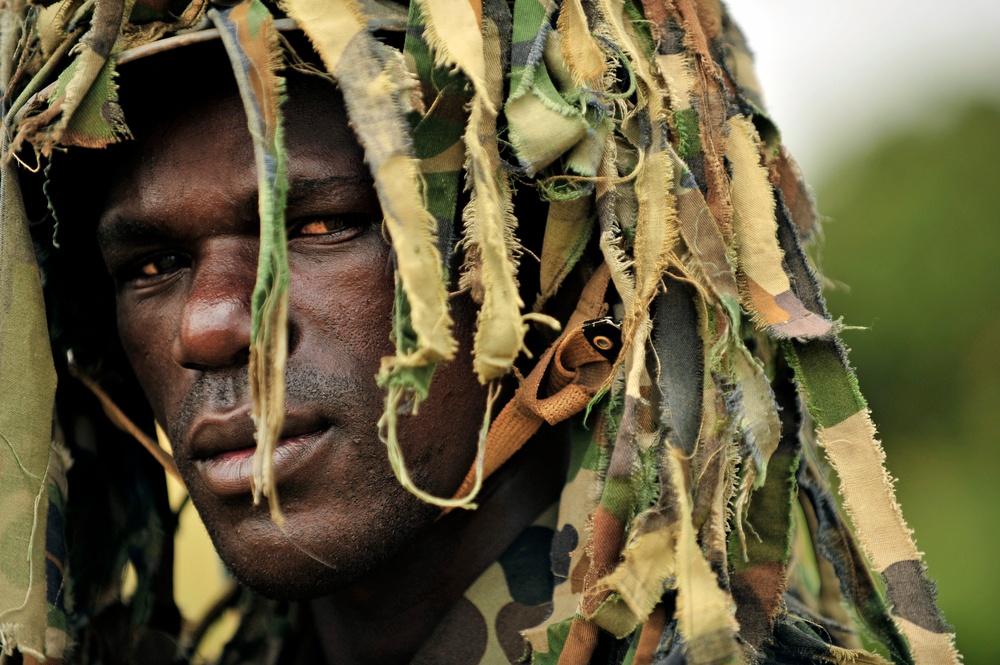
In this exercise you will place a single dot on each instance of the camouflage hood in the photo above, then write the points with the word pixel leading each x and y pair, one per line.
pixel 701 369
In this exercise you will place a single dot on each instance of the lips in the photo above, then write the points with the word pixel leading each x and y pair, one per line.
pixel 223 446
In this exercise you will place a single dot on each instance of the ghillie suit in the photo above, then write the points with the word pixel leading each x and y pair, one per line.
pixel 700 367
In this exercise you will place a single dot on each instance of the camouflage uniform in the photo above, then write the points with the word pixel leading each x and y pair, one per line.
pixel 701 368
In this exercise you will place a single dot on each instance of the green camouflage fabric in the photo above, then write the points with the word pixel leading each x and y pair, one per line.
pixel 27 391
pixel 711 407
pixel 251 40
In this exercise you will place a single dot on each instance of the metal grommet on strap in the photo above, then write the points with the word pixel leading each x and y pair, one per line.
pixel 605 335
pixel 603 343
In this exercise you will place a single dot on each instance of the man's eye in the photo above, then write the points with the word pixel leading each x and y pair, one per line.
pixel 335 225
pixel 158 266
pixel 322 226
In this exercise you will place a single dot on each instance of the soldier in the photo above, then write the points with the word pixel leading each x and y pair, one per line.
pixel 479 333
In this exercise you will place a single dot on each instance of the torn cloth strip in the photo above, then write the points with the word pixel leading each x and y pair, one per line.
pixel 457 36
pixel 436 126
pixel 27 395
pixel 758 565
pixel 377 87
pixel 82 109
pixel 251 41
pixel 373 81
pixel 847 434
pixel 835 542
pixel 635 131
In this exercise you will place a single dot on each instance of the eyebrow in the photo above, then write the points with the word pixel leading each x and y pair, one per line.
pixel 126 230
pixel 303 188
pixel 122 230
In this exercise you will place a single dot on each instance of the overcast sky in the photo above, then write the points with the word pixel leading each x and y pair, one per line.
pixel 837 73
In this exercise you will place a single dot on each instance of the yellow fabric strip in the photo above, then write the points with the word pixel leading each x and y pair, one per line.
pixel 336 29
pixel 539 133
pixel 455 36
pixel 583 56
pixel 678 73
pixel 766 289
pixel 704 613
pixel 867 488
pixel 614 255
pixel 758 417
pixel 329 24
pixel 567 229
pixel 929 648
pixel 753 210
pixel 649 561
pixel 656 230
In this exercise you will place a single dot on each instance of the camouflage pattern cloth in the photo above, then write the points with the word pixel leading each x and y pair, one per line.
pixel 710 394
pixel 513 594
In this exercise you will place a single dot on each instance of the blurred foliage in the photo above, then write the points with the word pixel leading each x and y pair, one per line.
pixel 913 230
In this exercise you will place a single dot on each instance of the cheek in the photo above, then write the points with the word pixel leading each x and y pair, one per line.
pixel 343 316
pixel 443 436
pixel 341 307
pixel 146 332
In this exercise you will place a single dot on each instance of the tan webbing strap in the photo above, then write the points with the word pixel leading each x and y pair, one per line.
pixel 574 371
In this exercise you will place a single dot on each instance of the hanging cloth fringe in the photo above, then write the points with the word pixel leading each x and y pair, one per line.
pixel 640 123
pixel 248 33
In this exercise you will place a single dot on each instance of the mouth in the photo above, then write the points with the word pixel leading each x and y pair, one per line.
pixel 223 451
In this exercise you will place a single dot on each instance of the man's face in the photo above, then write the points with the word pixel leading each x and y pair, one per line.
pixel 179 234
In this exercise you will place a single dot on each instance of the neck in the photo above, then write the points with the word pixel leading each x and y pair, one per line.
pixel 385 618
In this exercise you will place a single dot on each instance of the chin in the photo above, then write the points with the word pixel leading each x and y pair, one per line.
pixel 318 550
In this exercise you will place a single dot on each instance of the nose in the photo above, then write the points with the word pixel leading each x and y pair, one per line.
pixel 214 327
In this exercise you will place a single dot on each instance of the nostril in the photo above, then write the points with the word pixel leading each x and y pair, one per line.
pixel 242 358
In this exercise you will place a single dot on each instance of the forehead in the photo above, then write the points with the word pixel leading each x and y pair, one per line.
pixel 163 109
pixel 194 141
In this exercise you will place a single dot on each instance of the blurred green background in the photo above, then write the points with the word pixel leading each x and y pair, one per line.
pixel 912 234
pixel 893 110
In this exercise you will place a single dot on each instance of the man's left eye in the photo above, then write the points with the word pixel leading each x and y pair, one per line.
pixel 327 226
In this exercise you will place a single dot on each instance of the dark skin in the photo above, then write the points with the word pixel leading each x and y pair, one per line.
pixel 179 235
